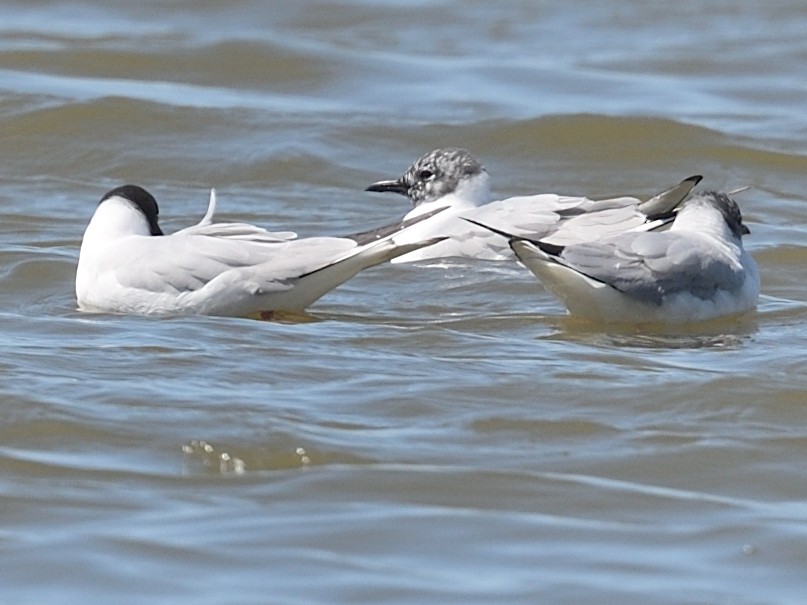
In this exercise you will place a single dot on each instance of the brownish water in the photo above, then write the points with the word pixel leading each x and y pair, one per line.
pixel 433 435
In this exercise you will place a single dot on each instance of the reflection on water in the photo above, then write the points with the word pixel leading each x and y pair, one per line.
pixel 732 333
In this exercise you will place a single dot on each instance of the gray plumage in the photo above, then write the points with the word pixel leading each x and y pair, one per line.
pixel 453 178
pixel 126 264
pixel 434 175
pixel 650 266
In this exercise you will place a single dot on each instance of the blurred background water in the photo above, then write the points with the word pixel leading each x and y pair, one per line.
pixel 428 434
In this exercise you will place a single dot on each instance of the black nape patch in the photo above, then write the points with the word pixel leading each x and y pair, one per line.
pixel 730 211
pixel 143 200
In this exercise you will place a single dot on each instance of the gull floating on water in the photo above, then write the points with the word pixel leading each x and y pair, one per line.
pixel 127 265
pixel 697 270
pixel 453 178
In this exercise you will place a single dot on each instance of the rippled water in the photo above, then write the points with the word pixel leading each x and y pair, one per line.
pixel 435 435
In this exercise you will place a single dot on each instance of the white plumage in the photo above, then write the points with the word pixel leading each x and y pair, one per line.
pixel 127 265
pixel 697 270
pixel 455 179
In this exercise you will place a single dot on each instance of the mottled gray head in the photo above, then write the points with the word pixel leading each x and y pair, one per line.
pixel 435 175
pixel 730 211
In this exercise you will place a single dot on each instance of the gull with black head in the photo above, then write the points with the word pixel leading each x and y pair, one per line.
pixel 128 265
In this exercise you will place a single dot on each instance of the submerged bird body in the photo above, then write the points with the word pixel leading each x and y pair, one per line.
pixel 126 265
pixel 452 178
pixel 697 270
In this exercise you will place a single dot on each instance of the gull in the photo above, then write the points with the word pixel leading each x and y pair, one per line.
pixel 128 265
pixel 695 271
pixel 453 178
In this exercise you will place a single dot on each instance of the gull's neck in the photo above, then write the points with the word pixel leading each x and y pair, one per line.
pixel 113 219
pixel 469 193
pixel 701 216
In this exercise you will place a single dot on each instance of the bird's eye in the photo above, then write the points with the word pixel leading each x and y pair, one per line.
pixel 425 175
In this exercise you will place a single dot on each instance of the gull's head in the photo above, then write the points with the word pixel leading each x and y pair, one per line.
pixel 440 173
pixel 731 213
pixel 722 203
pixel 128 209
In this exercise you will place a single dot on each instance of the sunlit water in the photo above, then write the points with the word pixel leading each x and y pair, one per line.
pixel 432 434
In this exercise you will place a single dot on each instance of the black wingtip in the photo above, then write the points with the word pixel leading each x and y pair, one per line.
pixel 550 249
pixel 365 237
pixel 504 234
pixel 694 179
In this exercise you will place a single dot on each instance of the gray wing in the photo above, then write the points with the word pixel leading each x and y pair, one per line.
pixel 533 216
pixel 185 262
pixel 365 237
pixel 563 220
pixel 238 231
pixel 545 217
pixel 528 216
pixel 608 217
pixel 669 199
pixel 650 266
pixel 600 221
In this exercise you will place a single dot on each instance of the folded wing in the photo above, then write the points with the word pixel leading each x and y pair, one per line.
pixel 650 266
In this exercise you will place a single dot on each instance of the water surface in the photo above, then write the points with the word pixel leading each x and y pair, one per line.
pixel 426 434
